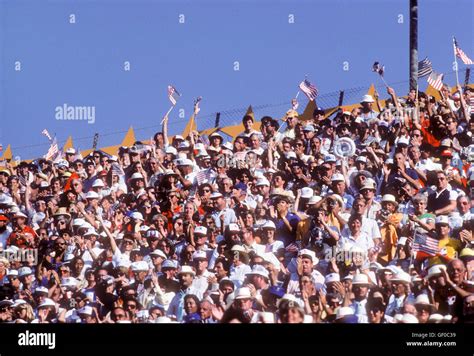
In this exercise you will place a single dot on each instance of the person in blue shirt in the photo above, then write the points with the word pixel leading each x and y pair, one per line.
pixel 285 221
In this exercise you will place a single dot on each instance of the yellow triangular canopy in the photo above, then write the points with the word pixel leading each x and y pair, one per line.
pixel 190 126
pixel 7 155
pixel 68 144
pixel 129 138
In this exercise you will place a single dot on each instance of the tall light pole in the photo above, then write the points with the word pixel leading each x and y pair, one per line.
pixel 413 44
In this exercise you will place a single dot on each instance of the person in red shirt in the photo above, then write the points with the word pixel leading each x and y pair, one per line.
pixel 23 236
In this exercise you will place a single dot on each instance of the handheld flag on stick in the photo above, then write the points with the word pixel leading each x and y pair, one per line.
pixel 53 150
pixel 424 68
pixel 172 95
pixel 379 69
pixel 458 52
pixel 309 89
pixel 435 80
pixel 172 92
pixel 424 246
pixel 196 105
pixel 46 133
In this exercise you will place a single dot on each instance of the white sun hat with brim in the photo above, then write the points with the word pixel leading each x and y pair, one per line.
pixel 401 277
pixel 343 312
pixel 360 280
pixel 187 270
pixel 367 99
pixel 139 266
pixel 289 298
pixel 158 253
pixel 409 319
pixel 435 271
pixel 243 293
pixel 309 253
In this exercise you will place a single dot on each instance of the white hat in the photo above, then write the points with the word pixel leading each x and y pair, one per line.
pixel 344 311
pixel 159 253
pixel 330 158
pixel 403 141
pixel 199 255
pixel 361 159
pixel 90 232
pixel 367 99
pixel 171 150
pixel 289 298
pixel 310 254
pixel 401 277
pixel 314 199
pixel 368 184
pixel 306 193
pixel 24 271
pixel 187 269
pixel 139 266
pixel 63 163
pixel 86 310
pixel 389 198
pixel 308 128
pixel 435 271
pixel 442 219
pixel 98 184
pixel 216 195
pixel 71 151
pixel 290 154
pixel 137 215
pixel 233 227
pixel 41 289
pixel 163 320
pixel 200 230
pixel 78 222
pixel 259 271
pixel 331 278
pixel 20 215
pixel 269 225
pixel 92 195
pixel 184 144
pixel 185 162
pixel 409 319
pixel 47 302
pixel 267 317
pixel 69 282
pixel 435 318
pixel 136 175
pixel 263 181
pixel 228 146
pixel 402 240
pixel 422 299
pixel 360 279
pixel 337 177
pixel 179 137
pixel 216 134
pixel 12 273
pixel 124 263
pixel 243 293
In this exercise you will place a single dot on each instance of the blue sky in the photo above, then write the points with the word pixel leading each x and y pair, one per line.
pixel 82 64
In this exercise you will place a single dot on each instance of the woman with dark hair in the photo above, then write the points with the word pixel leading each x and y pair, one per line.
pixel 191 307
pixel 77 267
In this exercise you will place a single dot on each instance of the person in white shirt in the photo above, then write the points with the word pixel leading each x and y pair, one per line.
pixel 401 293
pixel 355 236
pixel 239 267
pixel 200 281
pixel 271 245
pixel 360 288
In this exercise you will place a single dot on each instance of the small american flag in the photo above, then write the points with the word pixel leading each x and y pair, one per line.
pixel 309 89
pixel 53 150
pixel 424 68
pixel 435 80
pixel 46 133
pixel 460 53
pixel 171 94
pixel 204 176
pixel 378 68
pixel 425 246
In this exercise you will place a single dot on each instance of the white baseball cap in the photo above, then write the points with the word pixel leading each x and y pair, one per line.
pixel 200 230
pixel 306 193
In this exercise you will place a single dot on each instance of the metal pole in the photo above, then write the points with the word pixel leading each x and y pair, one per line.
pixel 341 98
pixel 413 44
pixel 218 119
